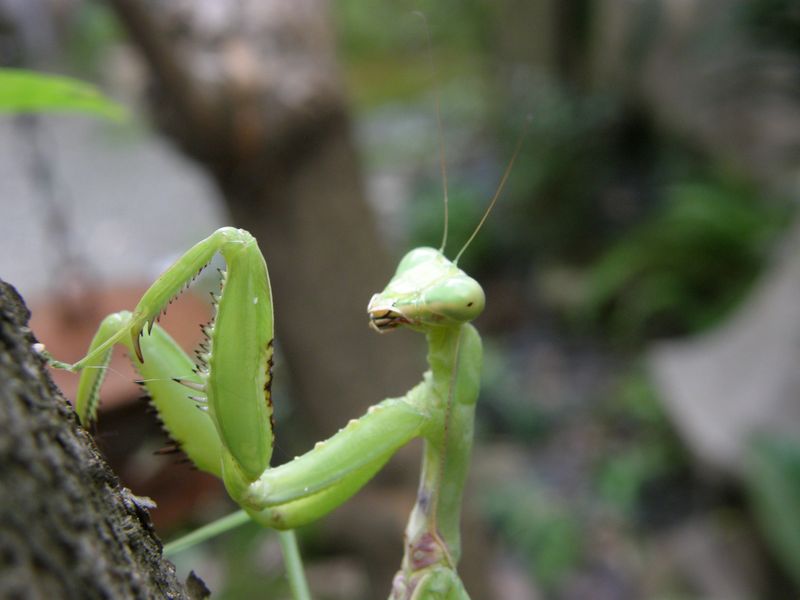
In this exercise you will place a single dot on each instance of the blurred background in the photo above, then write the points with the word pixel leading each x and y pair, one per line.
pixel 639 424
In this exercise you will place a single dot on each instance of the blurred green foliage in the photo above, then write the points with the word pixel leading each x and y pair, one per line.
pixel 243 563
pixel 773 22
pixel 540 527
pixel 773 480
pixel 508 405
pixel 460 25
pixel 643 449
pixel 24 92
pixel 686 265
pixel 581 177
pixel 389 63
pixel 93 32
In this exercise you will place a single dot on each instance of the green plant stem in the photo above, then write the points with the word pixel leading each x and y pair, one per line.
pixel 206 532
pixel 294 565
pixel 291 552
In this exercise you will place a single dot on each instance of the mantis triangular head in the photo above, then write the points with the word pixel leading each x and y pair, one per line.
pixel 427 290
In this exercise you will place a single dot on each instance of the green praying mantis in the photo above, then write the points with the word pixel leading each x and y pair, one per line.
pixel 219 410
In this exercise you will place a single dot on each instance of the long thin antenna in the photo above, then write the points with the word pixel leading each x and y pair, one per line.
pixel 439 130
pixel 499 188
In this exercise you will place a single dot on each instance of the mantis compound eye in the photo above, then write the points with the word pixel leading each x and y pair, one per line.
pixel 459 298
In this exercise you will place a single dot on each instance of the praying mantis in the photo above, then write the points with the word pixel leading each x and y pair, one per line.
pixel 219 410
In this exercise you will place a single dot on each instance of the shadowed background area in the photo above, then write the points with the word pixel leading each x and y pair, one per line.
pixel 638 423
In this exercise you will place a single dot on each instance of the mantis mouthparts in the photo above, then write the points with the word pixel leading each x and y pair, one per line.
pixel 384 316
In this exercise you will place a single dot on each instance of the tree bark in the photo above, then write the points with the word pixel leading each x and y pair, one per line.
pixel 67 527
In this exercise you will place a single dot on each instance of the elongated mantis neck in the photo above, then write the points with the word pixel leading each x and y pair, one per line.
pixel 432 533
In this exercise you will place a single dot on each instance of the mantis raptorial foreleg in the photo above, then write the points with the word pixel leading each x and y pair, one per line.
pixel 177 406
pixel 219 412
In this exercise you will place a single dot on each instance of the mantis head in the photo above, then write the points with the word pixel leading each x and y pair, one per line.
pixel 427 290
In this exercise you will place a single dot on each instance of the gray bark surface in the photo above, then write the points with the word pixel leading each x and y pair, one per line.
pixel 67 527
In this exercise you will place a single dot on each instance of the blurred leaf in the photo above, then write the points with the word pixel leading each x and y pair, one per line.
pixel 773 22
pixel 508 405
pixel 687 265
pixel 28 92
pixel 644 457
pixel 773 479
pixel 541 527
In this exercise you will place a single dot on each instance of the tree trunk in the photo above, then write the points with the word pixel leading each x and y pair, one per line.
pixel 67 528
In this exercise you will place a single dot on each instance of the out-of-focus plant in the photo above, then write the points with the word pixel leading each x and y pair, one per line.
pixel 773 481
pixel 372 50
pixel 24 91
pixel 646 451
pixel 773 22
pixel 240 564
pixel 510 406
pixel 580 182
pixel 541 528
pixel 686 266
pixel 92 35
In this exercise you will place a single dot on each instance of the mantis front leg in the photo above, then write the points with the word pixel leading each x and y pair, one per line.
pixel 235 364
pixel 219 411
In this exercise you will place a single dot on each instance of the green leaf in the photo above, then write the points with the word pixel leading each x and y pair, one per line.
pixel 773 480
pixel 28 92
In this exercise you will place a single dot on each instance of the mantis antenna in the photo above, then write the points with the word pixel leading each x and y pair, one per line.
pixel 497 193
pixel 439 131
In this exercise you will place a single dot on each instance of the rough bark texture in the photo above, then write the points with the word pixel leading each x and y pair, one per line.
pixel 67 527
